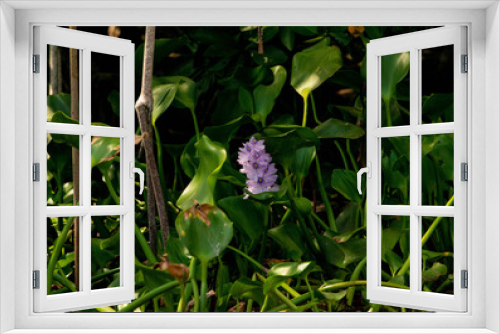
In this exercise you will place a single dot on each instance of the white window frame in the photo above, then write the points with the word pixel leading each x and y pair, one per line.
pixel 86 44
pixel 414 43
pixel 17 19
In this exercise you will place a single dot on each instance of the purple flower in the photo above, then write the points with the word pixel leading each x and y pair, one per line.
pixel 256 164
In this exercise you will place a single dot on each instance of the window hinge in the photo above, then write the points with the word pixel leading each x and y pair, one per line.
pixel 36 63
pixel 36 172
pixel 36 279
pixel 464 171
pixel 465 279
pixel 465 64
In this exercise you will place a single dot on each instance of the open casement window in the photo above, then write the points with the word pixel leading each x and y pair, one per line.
pixel 71 143
pixel 404 126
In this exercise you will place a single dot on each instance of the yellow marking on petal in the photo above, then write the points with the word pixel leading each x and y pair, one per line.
pixel 183 233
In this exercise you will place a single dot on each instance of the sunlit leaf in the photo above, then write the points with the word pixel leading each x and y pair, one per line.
pixel 345 182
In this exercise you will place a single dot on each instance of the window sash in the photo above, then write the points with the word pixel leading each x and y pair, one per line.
pixel 86 43
pixel 414 42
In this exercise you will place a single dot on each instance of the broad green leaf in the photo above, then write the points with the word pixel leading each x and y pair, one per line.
pixel 245 100
pixel 344 237
pixel 248 215
pixel 272 56
pixel 395 68
pixel 335 128
pixel 344 181
pixel 190 158
pixel 228 107
pixel 283 141
pixel 225 132
pixel 312 66
pixel 201 187
pixel 264 96
pixel 394 261
pixel 302 160
pixel 244 288
pixel 205 230
pixel 163 95
pixel 437 108
pixel 59 102
pixel 290 238
pixel 104 149
pixel 346 220
pixel 287 37
pixel 185 96
pixel 282 271
pixel 433 274
pixel 341 255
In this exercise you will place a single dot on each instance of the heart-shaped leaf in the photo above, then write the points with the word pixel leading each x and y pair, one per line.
pixel 433 274
pixel 201 187
pixel 103 149
pixel 395 68
pixel 344 181
pixel 283 271
pixel 264 96
pixel 205 230
pixel 312 66
pixel 290 238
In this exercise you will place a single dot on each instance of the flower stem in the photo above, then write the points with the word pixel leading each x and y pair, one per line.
pixel 353 161
pixel 342 154
pixel 324 197
pixel 148 296
pixel 426 237
pixel 304 115
pixel 195 121
pixel 194 284
pixel 313 104
pixel 204 286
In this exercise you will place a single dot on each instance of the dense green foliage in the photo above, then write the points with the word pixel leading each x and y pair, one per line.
pixel 300 249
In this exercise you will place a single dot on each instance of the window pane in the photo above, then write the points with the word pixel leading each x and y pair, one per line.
pixel 395 171
pixel 437 169
pixel 395 89
pixel 105 164
pixel 437 84
pixel 395 266
pixel 63 171
pixel 62 250
pixel 105 89
pixel 105 256
pixel 437 254
pixel 62 85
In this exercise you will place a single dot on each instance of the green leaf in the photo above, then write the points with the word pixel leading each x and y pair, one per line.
pixel 248 215
pixel 282 271
pixel 283 141
pixel 344 237
pixel 264 96
pixel 59 102
pixel 244 288
pixel 225 132
pixel 344 181
pixel 201 187
pixel 205 230
pixel 163 96
pixel 287 37
pixel 433 274
pixel 289 237
pixel 395 68
pixel 335 128
pixel 245 100
pixel 341 255
pixel 185 95
pixel 103 149
pixel 302 160
pixel 312 66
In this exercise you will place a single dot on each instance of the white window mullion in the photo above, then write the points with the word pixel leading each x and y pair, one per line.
pixel 414 168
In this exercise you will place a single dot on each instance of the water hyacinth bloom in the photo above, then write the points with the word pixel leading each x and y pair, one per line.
pixel 256 164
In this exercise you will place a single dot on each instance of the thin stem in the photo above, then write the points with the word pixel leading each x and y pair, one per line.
pixel 255 263
pixel 342 154
pixel 144 245
pixel 311 293
pixel 355 277
pixel 313 104
pixel 319 220
pixel 159 155
pixel 195 121
pixel 111 189
pixel 194 284
pixel 331 287
pixel 353 161
pixel 387 107
pixel 426 237
pixel 204 286
pixel 250 301
pixel 180 306
pixel 304 115
pixel 150 295
pixel 54 257
pixel 324 197
pixel 264 305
